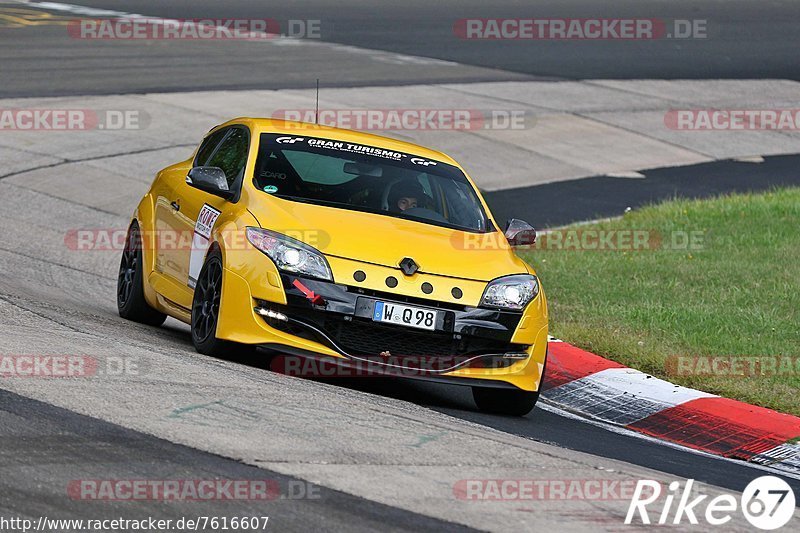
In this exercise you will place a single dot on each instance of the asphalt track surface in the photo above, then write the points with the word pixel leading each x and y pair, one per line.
pixel 554 428
pixel 35 432
pixel 43 290
pixel 560 203
pixel 745 39
pixel 44 446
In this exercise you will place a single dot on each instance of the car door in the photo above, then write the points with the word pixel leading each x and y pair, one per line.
pixel 190 214
pixel 168 216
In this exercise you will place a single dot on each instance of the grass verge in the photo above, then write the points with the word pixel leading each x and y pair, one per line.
pixel 714 305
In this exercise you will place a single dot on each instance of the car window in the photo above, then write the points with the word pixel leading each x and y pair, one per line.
pixel 208 146
pixel 231 155
pixel 318 169
pixel 358 177
pixel 461 204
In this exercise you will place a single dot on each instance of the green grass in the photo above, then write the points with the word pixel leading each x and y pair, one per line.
pixel 738 295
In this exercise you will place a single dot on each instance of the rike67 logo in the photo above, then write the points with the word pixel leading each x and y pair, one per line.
pixel 767 502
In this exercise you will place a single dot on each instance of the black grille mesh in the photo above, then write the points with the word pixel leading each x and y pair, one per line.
pixel 363 338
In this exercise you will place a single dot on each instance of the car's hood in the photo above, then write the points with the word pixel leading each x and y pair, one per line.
pixel 386 240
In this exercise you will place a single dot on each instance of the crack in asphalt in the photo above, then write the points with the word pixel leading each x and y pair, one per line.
pixel 8 300
pixel 73 202
pixel 95 158
pixel 34 258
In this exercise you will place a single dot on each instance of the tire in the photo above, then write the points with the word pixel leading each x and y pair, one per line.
pixel 511 402
pixel 130 289
pixel 205 308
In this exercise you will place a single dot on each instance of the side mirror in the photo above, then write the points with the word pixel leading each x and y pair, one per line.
pixel 211 180
pixel 520 233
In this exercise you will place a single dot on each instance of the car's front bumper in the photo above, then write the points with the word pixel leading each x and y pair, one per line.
pixel 342 319
pixel 470 345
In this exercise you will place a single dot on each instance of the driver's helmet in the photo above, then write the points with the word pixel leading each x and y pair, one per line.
pixel 407 188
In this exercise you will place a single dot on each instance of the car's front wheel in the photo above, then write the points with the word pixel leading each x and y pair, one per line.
pixel 130 283
pixel 511 402
pixel 205 307
pixel 205 314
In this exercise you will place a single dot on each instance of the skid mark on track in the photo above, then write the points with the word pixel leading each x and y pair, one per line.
pixel 217 414
pixel 424 439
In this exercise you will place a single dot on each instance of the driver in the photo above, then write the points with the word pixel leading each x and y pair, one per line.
pixel 405 195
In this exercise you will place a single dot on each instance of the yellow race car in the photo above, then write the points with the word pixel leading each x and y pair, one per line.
pixel 332 245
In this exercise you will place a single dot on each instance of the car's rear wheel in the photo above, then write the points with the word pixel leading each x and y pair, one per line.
pixel 130 283
pixel 511 402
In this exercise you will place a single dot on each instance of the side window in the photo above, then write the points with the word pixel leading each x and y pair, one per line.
pixel 208 146
pixel 231 155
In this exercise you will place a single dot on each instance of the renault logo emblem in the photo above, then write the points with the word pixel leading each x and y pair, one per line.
pixel 409 266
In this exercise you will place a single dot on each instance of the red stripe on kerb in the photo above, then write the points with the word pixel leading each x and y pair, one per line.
pixel 721 426
pixel 567 363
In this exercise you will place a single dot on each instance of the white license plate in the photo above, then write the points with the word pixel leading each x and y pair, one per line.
pixel 405 315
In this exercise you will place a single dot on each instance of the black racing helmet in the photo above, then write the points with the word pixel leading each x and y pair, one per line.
pixel 407 188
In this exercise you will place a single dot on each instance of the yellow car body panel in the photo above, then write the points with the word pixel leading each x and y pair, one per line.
pixel 350 241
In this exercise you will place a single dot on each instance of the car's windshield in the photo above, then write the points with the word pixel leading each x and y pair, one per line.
pixel 365 178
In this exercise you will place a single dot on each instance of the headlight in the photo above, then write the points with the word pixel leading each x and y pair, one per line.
pixel 290 255
pixel 511 292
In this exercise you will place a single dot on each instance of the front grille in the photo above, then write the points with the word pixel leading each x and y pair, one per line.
pixel 409 347
pixel 365 339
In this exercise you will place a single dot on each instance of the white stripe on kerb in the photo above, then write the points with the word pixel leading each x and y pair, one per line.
pixel 621 395
pixel 544 405
pixel 785 458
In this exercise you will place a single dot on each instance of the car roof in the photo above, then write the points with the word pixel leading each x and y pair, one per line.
pixel 289 127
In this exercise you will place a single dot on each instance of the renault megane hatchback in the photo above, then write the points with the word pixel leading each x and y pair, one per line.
pixel 330 244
